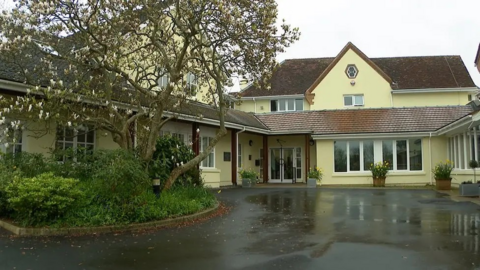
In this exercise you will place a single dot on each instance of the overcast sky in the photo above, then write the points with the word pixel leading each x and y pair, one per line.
pixel 383 28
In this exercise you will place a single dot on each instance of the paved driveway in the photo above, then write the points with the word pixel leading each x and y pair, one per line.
pixel 283 229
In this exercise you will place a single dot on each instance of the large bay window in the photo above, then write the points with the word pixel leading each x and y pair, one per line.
pixel 209 161
pixel 464 147
pixel 357 156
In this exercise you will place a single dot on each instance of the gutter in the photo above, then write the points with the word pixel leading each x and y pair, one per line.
pixel 435 90
pixel 459 123
pixel 371 135
pixel 275 97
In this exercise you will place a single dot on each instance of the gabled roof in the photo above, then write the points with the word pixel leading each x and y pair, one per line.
pixel 358 121
pixel 299 76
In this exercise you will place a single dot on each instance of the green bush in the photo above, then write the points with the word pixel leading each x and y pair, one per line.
pixel 42 199
pixel 6 178
pixel 171 152
pixel 30 165
pixel 142 208
pixel 118 176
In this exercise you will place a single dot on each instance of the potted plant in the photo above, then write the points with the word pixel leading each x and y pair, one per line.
pixel 249 177
pixel 442 171
pixel 314 177
pixel 379 173
pixel 470 188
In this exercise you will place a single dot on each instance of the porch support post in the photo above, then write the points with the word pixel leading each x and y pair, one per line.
pixel 307 156
pixel 234 156
pixel 195 139
pixel 465 151
pixel 265 159
pixel 475 143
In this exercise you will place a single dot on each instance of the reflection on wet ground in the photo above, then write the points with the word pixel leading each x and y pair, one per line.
pixel 283 229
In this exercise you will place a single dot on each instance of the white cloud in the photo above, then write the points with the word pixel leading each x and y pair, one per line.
pixel 385 28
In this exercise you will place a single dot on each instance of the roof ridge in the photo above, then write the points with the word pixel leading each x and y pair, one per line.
pixel 417 56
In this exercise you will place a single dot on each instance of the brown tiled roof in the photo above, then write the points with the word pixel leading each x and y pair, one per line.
pixel 426 72
pixel 355 121
pixel 296 76
pixel 292 77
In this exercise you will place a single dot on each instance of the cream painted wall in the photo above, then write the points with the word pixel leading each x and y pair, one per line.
pixel 258 106
pixel 105 141
pixel 430 99
pixel 39 138
pixel 247 150
pixel 225 167
pixel 325 160
pixel 329 93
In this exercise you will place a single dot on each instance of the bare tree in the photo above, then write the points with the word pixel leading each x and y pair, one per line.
pixel 114 63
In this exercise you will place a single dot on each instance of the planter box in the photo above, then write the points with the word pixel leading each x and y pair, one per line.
pixel 443 184
pixel 470 190
pixel 311 183
pixel 248 183
pixel 379 181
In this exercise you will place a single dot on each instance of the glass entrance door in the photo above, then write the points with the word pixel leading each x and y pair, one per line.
pixel 282 165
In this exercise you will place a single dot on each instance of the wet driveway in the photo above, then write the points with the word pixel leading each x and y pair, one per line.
pixel 282 229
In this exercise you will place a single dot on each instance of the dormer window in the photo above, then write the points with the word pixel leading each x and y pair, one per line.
pixel 351 71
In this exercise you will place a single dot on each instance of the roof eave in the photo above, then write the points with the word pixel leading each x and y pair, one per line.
pixel 350 136
pixel 435 90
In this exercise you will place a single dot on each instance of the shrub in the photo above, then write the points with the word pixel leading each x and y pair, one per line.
pixel 171 152
pixel 41 199
pixel 443 170
pixel 6 177
pixel 118 176
pixel 30 165
pixel 379 169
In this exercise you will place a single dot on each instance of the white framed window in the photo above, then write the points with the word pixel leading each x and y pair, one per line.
pixel 286 105
pixel 298 162
pixel 463 147
pixel 353 100
pixel 192 84
pixel 357 156
pixel 261 163
pixel 179 136
pixel 209 161
pixel 239 156
pixel 80 140
pixel 164 80
pixel 13 146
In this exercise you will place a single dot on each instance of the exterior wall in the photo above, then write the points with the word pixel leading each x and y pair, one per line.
pixel 257 106
pixel 329 93
pixel 325 160
pixel 249 153
pixel 105 141
pixel 225 167
pixel 430 99
pixel 37 138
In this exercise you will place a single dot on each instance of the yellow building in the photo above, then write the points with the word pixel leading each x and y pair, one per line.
pixel 340 113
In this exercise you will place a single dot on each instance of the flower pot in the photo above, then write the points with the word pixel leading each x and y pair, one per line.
pixel 443 184
pixel 248 183
pixel 379 181
pixel 311 183
pixel 469 190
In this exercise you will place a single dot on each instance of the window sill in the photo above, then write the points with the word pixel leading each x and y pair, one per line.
pixel 209 170
pixel 462 172
pixel 391 173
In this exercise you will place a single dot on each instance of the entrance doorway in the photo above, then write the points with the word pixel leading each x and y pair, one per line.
pixel 285 165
